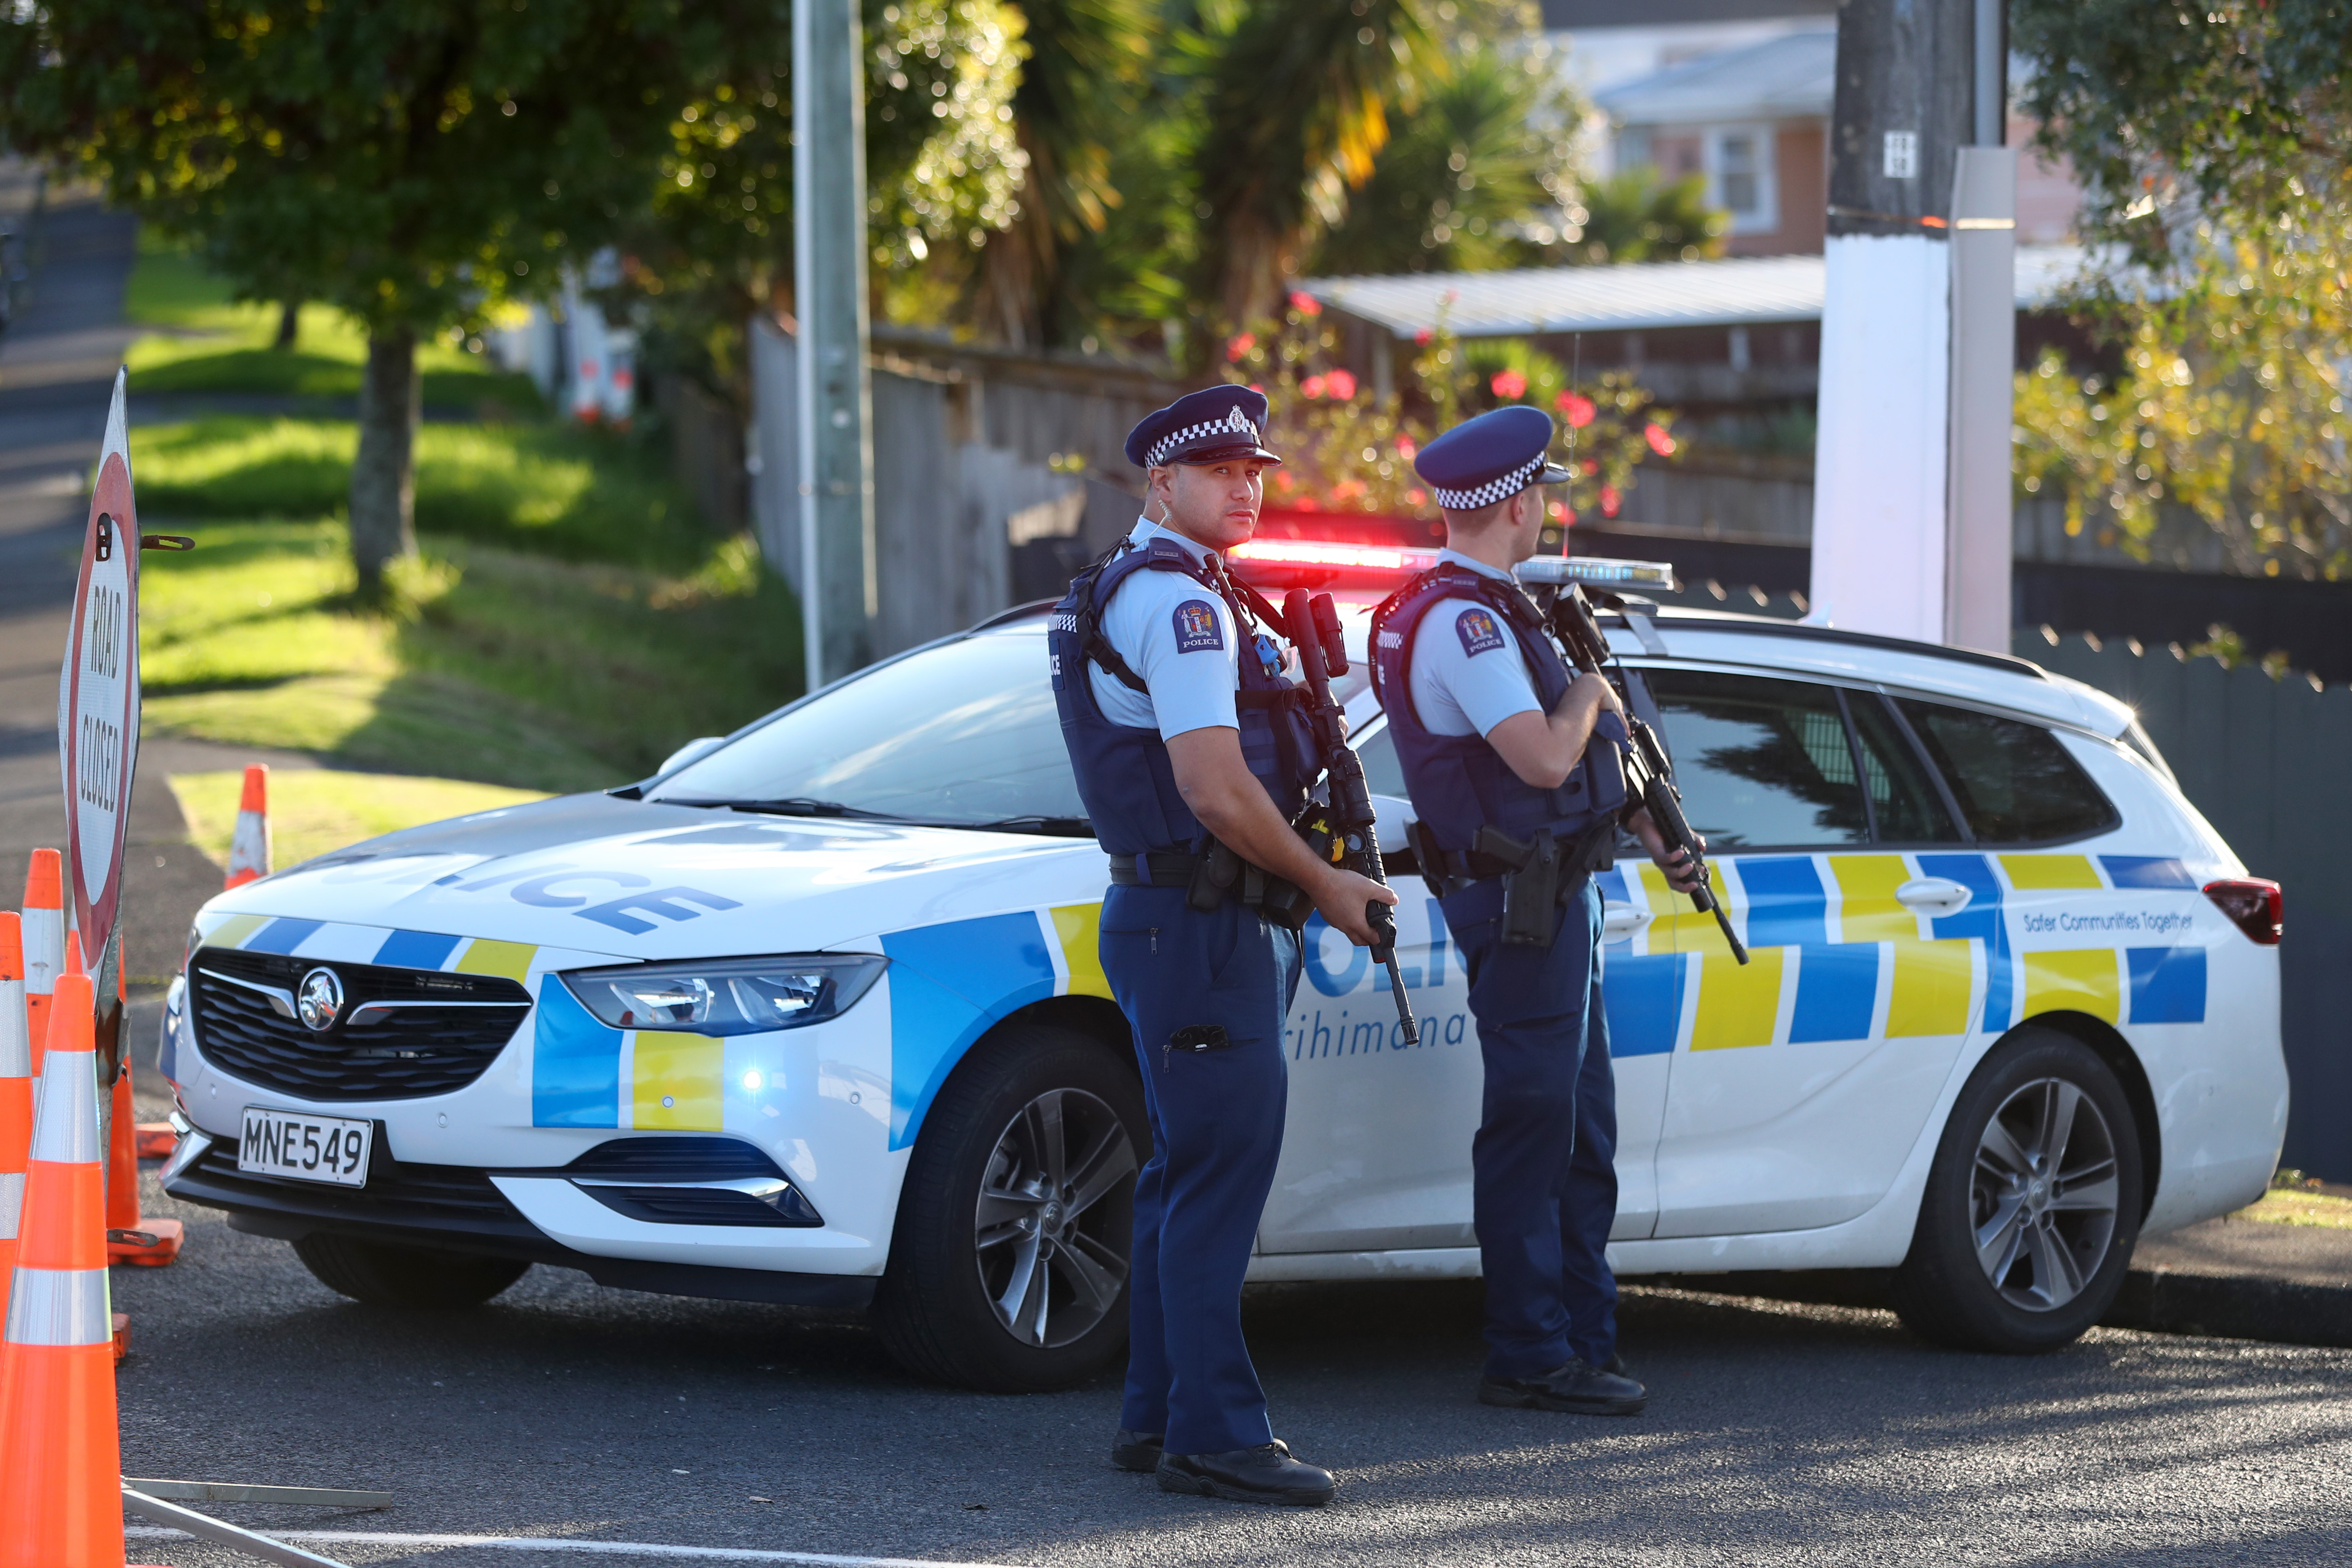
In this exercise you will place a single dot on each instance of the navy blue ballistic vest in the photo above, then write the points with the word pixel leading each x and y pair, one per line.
pixel 1459 782
pixel 1124 774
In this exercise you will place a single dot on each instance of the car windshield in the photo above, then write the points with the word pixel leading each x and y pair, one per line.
pixel 963 734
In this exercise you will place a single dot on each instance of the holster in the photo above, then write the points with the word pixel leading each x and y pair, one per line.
pixel 1221 874
pixel 1531 888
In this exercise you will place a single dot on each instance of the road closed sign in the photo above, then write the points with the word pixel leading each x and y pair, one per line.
pixel 98 690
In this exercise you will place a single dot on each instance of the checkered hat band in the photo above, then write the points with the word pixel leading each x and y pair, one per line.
pixel 1176 440
pixel 1493 490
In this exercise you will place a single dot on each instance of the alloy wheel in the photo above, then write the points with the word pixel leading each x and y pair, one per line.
pixel 1052 1252
pixel 2043 1195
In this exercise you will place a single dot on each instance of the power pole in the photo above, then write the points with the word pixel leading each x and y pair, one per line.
pixel 1911 510
pixel 839 592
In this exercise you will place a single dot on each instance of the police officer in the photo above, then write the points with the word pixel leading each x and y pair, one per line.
pixel 1192 756
pixel 1493 733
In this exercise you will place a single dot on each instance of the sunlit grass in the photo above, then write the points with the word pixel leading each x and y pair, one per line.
pixel 212 343
pixel 554 490
pixel 485 664
pixel 314 811
pixel 2289 1205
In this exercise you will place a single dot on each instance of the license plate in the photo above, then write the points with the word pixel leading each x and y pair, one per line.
pixel 307 1148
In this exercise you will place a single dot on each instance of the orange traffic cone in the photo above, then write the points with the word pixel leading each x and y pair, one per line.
pixel 16 1096
pixel 60 1459
pixel 249 846
pixel 155 1140
pixel 131 1236
pixel 44 940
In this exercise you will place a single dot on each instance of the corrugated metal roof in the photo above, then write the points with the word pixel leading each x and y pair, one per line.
pixel 1779 79
pixel 1637 296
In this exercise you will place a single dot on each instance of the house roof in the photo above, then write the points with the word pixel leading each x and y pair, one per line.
pixel 1636 297
pixel 1790 76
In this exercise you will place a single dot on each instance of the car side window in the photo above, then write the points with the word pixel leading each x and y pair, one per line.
pixel 2013 781
pixel 1905 807
pixel 1383 774
pixel 1761 762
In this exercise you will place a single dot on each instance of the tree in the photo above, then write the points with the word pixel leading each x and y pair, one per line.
pixel 1294 99
pixel 412 162
pixel 1473 180
pixel 1632 216
pixel 2212 143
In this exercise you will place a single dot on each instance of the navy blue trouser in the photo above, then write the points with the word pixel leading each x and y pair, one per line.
pixel 1216 1132
pixel 1544 1162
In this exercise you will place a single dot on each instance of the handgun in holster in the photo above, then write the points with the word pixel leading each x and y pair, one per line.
pixel 1531 886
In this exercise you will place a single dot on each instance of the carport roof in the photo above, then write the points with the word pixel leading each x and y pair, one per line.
pixel 1636 297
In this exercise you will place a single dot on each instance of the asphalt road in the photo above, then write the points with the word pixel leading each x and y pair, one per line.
pixel 1780 1434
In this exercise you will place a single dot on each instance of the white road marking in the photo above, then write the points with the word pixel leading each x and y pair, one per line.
pixel 559 1543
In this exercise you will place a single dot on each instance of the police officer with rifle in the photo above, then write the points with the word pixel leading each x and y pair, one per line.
pixel 1195 755
pixel 1517 767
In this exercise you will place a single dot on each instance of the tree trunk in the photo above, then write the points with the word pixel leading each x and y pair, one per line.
pixel 289 323
pixel 384 476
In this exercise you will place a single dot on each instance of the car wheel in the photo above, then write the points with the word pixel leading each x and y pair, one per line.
pixel 2034 1204
pixel 385 1274
pixel 1009 1263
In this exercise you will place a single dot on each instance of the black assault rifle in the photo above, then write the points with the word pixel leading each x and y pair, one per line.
pixel 1347 830
pixel 1649 777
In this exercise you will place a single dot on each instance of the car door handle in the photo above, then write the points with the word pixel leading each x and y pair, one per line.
pixel 1619 921
pixel 1932 896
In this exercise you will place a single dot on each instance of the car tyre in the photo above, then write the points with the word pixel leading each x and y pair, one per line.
pixel 1009 1262
pixel 2033 1206
pixel 383 1274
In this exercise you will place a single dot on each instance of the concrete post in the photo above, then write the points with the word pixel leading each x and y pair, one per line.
pixel 1907 100
pixel 839 591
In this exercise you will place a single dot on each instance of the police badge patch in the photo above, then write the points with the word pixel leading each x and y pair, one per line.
pixel 1478 632
pixel 1196 627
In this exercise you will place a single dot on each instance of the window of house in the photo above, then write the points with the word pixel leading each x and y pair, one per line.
pixel 1740 177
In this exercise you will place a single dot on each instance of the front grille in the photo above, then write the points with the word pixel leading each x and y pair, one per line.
pixel 411 1051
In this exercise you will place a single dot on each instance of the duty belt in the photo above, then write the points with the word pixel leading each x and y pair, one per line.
pixel 1154 870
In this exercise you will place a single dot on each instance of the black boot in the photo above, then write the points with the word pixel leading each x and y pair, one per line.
pixel 1137 1451
pixel 1263 1474
pixel 1579 1386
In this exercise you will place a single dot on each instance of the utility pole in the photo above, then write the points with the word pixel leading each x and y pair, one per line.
pixel 839 592
pixel 1911 509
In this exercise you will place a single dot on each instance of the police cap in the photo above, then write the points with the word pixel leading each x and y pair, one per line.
pixel 1490 459
pixel 1212 426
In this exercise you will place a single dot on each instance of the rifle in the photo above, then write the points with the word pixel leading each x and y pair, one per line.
pixel 1348 825
pixel 1649 777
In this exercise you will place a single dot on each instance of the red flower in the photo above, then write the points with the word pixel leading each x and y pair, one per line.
pixel 1282 482
pixel 1237 345
pixel 1341 385
pixel 1558 512
pixel 1660 442
pixel 1592 465
pixel 1308 504
pixel 1312 386
pixel 1405 448
pixel 1416 495
pixel 1424 336
pixel 1509 384
pixel 1609 500
pixel 1306 304
pixel 1256 388
pixel 1579 410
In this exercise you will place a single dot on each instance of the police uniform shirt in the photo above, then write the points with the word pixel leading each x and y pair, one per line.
pixel 1467 674
pixel 1179 637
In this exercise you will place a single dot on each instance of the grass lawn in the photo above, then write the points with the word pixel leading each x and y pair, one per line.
pixel 313 811
pixel 207 342
pixel 493 666
pixel 570 621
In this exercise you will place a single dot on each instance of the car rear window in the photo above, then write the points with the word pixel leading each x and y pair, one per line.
pixel 2013 781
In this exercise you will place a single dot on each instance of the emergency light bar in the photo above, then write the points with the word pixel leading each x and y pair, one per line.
pixel 1315 553
pixel 1594 572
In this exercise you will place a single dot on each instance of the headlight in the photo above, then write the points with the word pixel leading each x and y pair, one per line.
pixel 728 995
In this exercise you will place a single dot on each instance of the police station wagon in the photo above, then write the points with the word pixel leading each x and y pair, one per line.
pixel 814 1016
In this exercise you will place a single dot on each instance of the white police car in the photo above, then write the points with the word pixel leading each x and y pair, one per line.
pixel 815 1017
